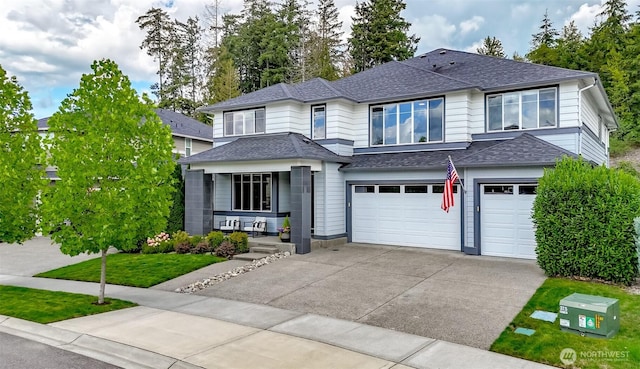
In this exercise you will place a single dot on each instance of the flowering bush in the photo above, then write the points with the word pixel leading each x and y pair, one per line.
pixel 284 229
pixel 158 239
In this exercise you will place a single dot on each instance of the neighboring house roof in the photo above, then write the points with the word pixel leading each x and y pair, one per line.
pixel 524 150
pixel 180 124
pixel 267 147
pixel 430 74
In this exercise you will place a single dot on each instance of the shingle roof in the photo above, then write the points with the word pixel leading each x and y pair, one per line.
pixel 433 73
pixel 488 72
pixel 524 150
pixel 180 124
pixel 267 147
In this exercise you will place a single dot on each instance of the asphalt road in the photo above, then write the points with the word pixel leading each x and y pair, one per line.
pixel 20 353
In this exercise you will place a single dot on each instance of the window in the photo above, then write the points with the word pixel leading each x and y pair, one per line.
pixel 408 122
pixel 498 190
pixel 522 110
pixel 252 192
pixel 244 122
pixel 365 189
pixel 187 147
pixel 440 189
pixel 319 121
pixel 415 189
pixel 389 189
pixel 527 190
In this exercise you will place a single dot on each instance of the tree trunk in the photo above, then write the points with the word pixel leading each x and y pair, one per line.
pixel 103 277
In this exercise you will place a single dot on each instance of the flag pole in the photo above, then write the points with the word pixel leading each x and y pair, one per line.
pixel 459 180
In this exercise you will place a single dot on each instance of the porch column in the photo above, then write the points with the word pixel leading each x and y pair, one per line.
pixel 198 211
pixel 301 208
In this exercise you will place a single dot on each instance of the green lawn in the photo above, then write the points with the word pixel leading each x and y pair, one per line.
pixel 137 270
pixel 548 341
pixel 51 306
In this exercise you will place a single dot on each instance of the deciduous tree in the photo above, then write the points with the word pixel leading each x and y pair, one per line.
pixel 21 162
pixel 114 161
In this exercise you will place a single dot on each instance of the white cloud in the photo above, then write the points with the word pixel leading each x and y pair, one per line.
pixel 471 25
pixel 473 48
pixel 585 17
pixel 434 31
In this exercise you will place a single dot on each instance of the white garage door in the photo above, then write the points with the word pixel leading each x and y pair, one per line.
pixel 506 226
pixel 404 215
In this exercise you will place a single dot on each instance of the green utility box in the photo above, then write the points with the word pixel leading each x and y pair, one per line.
pixel 588 315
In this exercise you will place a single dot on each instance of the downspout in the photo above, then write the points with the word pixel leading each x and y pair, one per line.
pixel 595 80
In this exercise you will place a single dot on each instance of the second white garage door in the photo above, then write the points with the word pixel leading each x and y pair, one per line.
pixel 506 225
pixel 404 215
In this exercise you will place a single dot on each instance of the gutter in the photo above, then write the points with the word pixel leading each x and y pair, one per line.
pixel 580 91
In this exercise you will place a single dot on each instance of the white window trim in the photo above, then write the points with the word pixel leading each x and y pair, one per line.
pixel 244 112
pixel 520 128
pixel 313 121
pixel 188 147
pixel 398 123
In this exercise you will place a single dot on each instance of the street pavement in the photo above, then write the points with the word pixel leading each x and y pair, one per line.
pixel 171 330
pixel 20 353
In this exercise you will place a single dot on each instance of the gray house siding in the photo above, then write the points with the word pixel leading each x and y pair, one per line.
pixel 329 202
pixel 592 148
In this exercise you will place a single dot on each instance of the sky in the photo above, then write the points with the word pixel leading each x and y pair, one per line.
pixel 49 44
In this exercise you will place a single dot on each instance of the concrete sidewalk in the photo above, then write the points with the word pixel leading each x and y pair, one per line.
pixel 171 330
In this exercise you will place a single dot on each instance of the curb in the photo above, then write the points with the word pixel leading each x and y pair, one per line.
pixel 108 351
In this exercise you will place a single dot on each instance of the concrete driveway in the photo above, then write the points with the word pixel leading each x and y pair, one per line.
pixel 438 294
pixel 35 256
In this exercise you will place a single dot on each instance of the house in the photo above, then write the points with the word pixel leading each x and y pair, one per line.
pixel 364 157
pixel 189 135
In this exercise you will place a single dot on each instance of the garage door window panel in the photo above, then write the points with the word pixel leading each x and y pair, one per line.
pixel 498 190
pixel 416 189
pixel 440 189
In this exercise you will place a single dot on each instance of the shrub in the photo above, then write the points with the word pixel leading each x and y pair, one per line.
pixel 195 240
pixel 240 241
pixel 175 221
pixel 215 238
pixel 201 248
pixel 226 249
pixel 636 225
pixel 146 249
pixel 166 247
pixel 181 237
pixel 183 247
pixel 584 220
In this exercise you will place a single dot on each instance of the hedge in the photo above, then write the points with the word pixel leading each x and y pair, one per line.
pixel 584 219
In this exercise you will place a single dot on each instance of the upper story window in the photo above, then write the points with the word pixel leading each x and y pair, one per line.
pixel 244 122
pixel 319 122
pixel 522 110
pixel 187 146
pixel 408 122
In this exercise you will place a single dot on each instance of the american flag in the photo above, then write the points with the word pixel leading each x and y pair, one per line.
pixel 447 196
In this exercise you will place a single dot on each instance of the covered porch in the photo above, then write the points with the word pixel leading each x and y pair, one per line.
pixel 270 176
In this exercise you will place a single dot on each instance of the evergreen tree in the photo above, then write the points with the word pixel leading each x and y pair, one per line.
pixel 158 41
pixel 326 53
pixel 379 34
pixel 543 43
pixel 570 48
pixel 175 222
pixel 610 34
pixel 518 57
pixel 491 46
pixel 225 84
